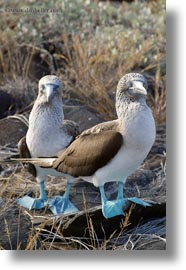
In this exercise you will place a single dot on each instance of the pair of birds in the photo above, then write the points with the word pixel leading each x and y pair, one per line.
pixel 109 151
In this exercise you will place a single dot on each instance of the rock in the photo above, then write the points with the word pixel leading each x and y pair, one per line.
pixel 76 224
pixel 152 245
pixel 39 66
pixel 5 103
pixel 41 62
pixel 140 178
pixel 148 235
pixel 82 115
pixel 11 131
pixel 14 229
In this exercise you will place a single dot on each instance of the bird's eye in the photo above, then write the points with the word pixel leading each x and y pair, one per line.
pixel 130 84
pixel 42 87
pixel 56 87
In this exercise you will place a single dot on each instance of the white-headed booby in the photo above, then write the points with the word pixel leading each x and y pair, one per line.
pixel 47 136
pixel 112 150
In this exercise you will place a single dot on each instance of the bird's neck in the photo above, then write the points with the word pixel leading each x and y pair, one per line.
pixel 136 123
pixel 49 112
pixel 126 108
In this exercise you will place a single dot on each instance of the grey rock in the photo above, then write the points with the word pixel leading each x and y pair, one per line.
pixel 5 103
pixel 14 229
pixel 82 115
pixel 11 131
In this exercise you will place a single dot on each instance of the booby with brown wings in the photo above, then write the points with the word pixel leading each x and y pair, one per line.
pixel 47 136
pixel 113 150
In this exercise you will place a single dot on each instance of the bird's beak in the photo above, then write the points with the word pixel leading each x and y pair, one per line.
pixel 138 88
pixel 49 92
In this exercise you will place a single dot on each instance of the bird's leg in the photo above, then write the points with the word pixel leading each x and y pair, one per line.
pixel 67 191
pixel 37 203
pixel 120 191
pixel 103 196
pixel 62 204
pixel 133 199
pixel 115 207
pixel 43 195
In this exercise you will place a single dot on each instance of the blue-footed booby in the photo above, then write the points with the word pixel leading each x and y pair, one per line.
pixel 113 150
pixel 48 135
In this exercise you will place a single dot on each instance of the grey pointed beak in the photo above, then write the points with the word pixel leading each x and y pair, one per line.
pixel 138 88
pixel 49 92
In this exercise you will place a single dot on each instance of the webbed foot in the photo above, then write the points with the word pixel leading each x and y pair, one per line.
pixel 139 201
pixel 61 205
pixel 37 203
pixel 31 203
pixel 113 208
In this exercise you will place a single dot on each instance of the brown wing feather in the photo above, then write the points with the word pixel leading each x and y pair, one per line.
pixel 105 126
pixel 88 153
pixel 25 153
pixel 71 127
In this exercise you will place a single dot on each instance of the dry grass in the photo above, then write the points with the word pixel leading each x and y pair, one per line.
pixel 90 54
pixel 92 78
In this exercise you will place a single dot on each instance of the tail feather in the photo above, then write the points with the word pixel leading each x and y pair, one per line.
pixel 8 158
pixel 41 162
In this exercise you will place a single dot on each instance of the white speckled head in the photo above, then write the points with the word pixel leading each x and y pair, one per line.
pixel 50 87
pixel 132 81
pixel 131 90
pixel 50 79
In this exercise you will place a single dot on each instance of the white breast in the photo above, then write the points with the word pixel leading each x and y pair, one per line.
pixel 48 144
pixel 45 136
pixel 139 136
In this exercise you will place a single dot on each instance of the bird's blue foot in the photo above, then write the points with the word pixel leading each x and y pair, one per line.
pixel 31 203
pixel 139 201
pixel 113 208
pixel 61 205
